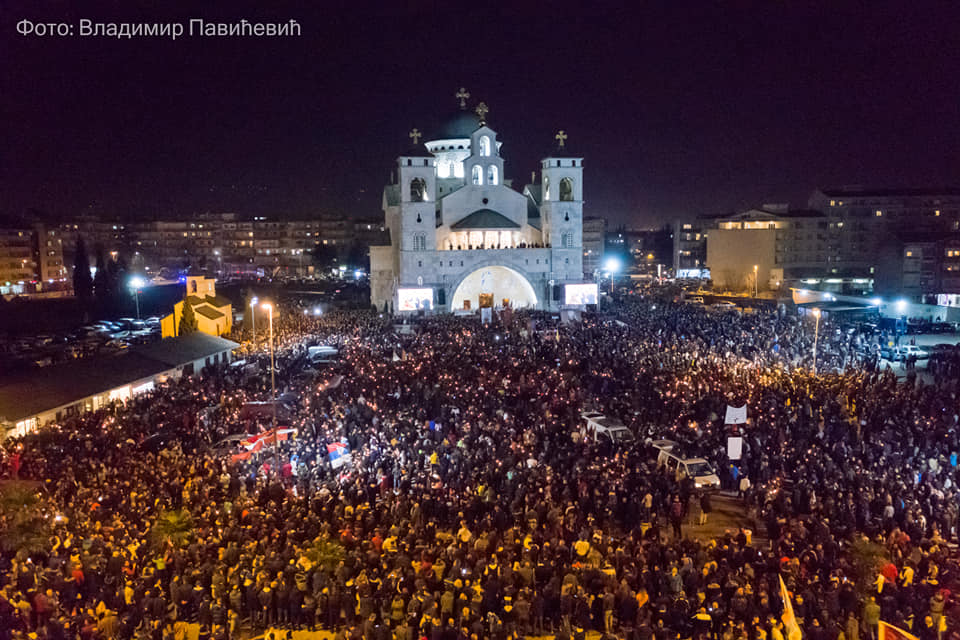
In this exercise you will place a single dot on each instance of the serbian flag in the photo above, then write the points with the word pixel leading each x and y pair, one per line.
pixel 339 454
pixel 789 619
pixel 890 632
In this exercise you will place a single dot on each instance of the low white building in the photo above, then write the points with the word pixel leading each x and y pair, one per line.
pixel 462 238
pixel 49 394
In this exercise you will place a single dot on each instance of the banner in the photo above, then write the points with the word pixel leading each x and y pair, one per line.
pixel 791 627
pixel 339 454
pixel 736 415
pixel 332 383
pixel 890 632
pixel 734 447
pixel 266 438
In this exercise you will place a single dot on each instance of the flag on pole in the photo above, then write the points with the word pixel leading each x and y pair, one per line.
pixel 789 619
pixel 890 632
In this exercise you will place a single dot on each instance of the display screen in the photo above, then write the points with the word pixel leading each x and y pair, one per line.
pixel 414 299
pixel 581 293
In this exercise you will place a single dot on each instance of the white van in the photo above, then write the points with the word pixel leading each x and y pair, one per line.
pixel 597 427
pixel 703 475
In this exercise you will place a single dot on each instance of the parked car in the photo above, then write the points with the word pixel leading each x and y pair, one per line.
pixel 912 350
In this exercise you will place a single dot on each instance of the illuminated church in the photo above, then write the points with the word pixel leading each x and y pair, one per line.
pixel 461 238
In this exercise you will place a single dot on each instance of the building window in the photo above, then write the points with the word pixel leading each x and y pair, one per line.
pixel 546 188
pixel 566 241
pixel 566 189
pixel 418 190
pixel 485 145
pixel 879 213
pixel 909 254
pixel 492 175
pixel 420 242
pixel 477 175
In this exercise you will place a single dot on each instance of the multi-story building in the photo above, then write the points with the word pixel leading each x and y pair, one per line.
pixel 31 260
pixel 849 240
pixel 594 237
pixel 17 267
pixel 220 243
pixel 690 249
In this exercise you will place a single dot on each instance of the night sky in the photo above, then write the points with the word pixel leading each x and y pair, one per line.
pixel 678 111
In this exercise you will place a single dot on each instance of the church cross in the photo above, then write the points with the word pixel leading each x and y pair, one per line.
pixel 462 96
pixel 416 135
pixel 482 111
pixel 561 138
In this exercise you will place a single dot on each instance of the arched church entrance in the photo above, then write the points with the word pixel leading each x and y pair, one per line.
pixel 494 285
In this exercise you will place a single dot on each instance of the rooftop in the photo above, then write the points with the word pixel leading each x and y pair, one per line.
pixel 485 219
pixel 46 388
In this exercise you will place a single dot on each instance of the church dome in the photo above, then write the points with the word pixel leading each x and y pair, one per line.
pixel 461 125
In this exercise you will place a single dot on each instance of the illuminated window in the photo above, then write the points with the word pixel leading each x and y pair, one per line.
pixel 493 175
pixel 937 213
pixel 477 175
pixel 879 213
pixel 833 203
pixel 485 145
pixel 909 254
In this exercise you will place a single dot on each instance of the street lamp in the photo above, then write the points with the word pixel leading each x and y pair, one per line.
pixel 273 392
pixel 755 284
pixel 253 318
pixel 816 336
pixel 612 266
pixel 136 283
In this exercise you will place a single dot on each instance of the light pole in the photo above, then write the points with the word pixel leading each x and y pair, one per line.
pixel 755 283
pixel 253 318
pixel 136 283
pixel 612 265
pixel 273 393
pixel 816 337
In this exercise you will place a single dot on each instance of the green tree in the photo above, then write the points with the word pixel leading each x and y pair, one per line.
pixel 82 280
pixel 325 257
pixel 23 527
pixel 188 320
pixel 247 311
pixel 101 282
pixel 174 527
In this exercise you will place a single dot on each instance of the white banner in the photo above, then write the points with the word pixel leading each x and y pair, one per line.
pixel 734 447
pixel 736 415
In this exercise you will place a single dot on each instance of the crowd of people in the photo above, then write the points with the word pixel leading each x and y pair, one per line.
pixel 472 509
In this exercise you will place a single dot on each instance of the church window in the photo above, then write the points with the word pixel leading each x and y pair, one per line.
pixel 420 242
pixel 409 162
pixel 452 170
pixel 574 163
pixel 419 263
pixel 566 189
pixel 566 241
pixel 568 260
pixel 418 190
pixel 492 175
pixel 477 175
pixel 558 163
pixel 485 145
pixel 546 188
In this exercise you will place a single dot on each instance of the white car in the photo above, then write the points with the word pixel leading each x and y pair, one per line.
pixel 912 350
pixel 723 305
pixel 596 426
pixel 695 300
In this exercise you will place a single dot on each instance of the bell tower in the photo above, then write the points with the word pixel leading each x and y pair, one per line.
pixel 417 182
pixel 562 208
